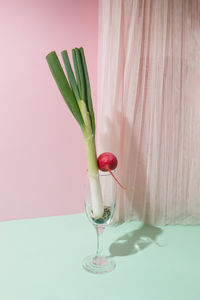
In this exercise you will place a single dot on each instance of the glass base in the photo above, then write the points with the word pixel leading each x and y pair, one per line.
pixel 98 265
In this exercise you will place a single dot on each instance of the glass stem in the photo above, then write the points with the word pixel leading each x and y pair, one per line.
pixel 99 230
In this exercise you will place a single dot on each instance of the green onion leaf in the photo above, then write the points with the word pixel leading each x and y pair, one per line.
pixel 76 70
pixel 88 90
pixel 70 74
pixel 63 85
pixel 81 76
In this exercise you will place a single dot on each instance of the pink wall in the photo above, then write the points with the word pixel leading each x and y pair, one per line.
pixel 42 158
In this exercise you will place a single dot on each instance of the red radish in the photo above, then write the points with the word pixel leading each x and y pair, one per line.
pixel 106 162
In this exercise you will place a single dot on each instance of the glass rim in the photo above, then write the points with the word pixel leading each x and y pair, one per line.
pixel 104 173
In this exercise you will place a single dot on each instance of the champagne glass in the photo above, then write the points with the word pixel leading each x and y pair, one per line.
pixel 98 263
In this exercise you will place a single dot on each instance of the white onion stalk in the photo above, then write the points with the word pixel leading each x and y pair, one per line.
pixel 77 96
pixel 93 172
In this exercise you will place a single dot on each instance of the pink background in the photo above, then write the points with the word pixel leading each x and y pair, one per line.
pixel 42 155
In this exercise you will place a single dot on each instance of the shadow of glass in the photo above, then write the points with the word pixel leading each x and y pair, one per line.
pixel 135 241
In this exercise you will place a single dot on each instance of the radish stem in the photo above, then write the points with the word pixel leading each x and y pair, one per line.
pixel 123 187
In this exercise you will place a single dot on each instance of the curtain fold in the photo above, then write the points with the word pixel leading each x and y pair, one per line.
pixel 149 106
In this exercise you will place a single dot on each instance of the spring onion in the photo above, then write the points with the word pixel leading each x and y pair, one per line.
pixel 75 89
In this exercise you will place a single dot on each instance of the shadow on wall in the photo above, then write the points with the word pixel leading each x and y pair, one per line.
pixel 135 241
pixel 131 172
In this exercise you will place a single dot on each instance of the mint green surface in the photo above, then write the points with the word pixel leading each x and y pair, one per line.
pixel 40 259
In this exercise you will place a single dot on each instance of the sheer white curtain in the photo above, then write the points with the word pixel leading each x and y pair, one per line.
pixel 149 106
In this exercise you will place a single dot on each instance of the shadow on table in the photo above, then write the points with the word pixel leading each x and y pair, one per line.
pixel 135 241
